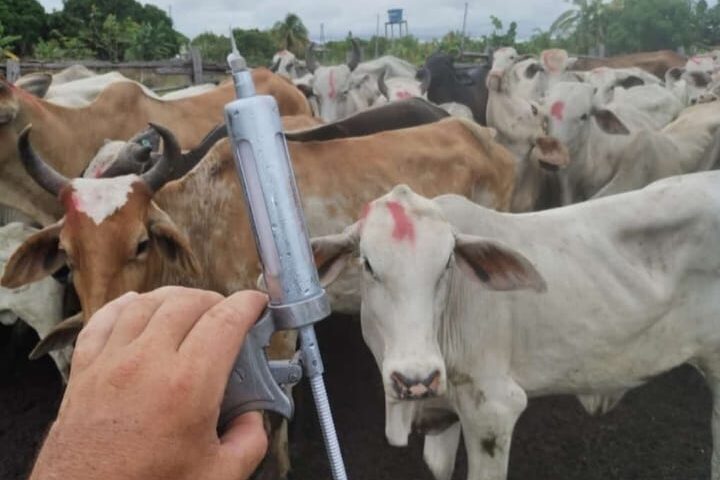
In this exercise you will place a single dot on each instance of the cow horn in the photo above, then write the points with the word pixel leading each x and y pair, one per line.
pixel 276 66
pixel 425 78
pixel 43 174
pixel 310 61
pixel 355 56
pixel 382 86
pixel 173 164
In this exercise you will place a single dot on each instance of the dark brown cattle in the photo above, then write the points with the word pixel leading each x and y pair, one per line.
pixel 391 116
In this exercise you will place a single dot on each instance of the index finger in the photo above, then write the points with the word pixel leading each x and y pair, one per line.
pixel 215 340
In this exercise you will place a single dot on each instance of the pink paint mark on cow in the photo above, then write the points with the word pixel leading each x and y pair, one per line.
pixel 403 95
pixel 695 60
pixel 404 228
pixel 557 110
pixel 333 92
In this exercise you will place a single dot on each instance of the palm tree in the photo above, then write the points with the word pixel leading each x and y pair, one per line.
pixel 587 22
pixel 291 34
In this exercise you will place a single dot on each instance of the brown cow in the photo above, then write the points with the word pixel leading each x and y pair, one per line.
pixel 71 137
pixel 138 233
pixel 656 63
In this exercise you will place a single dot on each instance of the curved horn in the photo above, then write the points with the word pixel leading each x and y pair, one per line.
pixel 425 78
pixel 276 66
pixel 310 61
pixel 382 86
pixel 355 57
pixel 43 174
pixel 173 164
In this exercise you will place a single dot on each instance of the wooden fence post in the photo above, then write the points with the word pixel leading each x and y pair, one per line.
pixel 12 71
pixel 197 65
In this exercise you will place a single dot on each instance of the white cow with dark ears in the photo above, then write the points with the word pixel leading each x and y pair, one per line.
pixel 469 312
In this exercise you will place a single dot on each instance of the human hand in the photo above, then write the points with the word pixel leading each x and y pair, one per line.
pixel 143 399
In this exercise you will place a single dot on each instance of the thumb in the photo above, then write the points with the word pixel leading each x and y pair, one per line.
pixel 243 446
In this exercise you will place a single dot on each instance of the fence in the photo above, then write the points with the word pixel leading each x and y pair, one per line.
pixel 163 75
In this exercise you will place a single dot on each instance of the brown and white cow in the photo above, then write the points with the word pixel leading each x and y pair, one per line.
pixel 70 137
pixel 138 233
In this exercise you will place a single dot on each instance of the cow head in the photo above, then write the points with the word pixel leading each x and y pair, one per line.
pixel 412 258
pixel 286 64
pixel 113 236
pixel 399 88
pixel 572 113
pixel 338 92
pixel 523 75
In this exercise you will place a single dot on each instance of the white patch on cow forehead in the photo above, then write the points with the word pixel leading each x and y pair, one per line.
pixel 98 198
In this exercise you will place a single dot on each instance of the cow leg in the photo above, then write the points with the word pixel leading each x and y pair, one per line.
pixel 488 412
pixel 440 451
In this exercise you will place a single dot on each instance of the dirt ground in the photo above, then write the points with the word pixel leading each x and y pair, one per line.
pixel 660 431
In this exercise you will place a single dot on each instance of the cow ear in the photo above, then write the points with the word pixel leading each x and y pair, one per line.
pixel 171 243
pixel 332 253
pixel 495 265
pixel 37 257
pixel 609 122
pixel 60 336
pixel 36 84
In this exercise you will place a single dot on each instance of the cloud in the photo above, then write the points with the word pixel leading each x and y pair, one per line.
pixel 426 18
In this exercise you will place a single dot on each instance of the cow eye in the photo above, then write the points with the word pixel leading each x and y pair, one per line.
pixel 534 110
pixel 142 247
pixel 584 116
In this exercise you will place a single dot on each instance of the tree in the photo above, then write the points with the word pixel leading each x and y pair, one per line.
pixel 586 23
pixel 153 42
pixel 6 42
pixel 291 34
pixel 214 48
pixel 255 45
pixel 499 39
pixel 644 25
pixel 24 20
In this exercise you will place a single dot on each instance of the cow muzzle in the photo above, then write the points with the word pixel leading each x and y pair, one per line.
pixel 416 388
pixel 550 154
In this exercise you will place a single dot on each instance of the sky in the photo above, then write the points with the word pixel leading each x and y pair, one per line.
pixel 426 18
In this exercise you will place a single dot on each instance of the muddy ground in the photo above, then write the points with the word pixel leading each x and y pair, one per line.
pixel 660 431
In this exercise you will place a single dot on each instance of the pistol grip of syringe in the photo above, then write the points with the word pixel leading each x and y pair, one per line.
pixel 251 385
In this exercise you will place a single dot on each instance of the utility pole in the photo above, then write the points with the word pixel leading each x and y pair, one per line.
pixel 462 39
pixel 377 35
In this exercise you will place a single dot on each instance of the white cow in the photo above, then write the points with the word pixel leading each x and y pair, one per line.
pixel 594 136
pixel 80 93
pixel 470 312
pixel 38 304
pixel 607 81
pixel 389 65
pixel 689 144
pixel 520 128
pixel 341 90
pixel 656 101
pixel 527 77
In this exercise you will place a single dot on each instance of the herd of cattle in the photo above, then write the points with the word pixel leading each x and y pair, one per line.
pixel 468 309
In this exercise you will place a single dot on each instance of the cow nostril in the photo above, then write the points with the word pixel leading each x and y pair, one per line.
pixel 406 388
